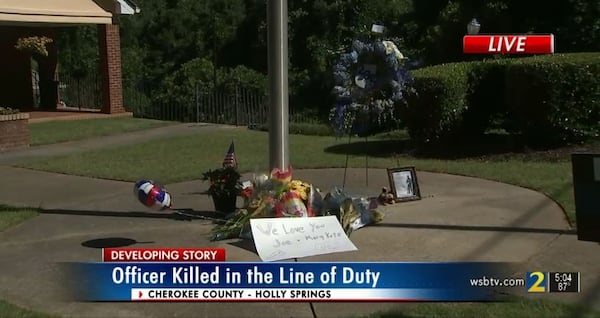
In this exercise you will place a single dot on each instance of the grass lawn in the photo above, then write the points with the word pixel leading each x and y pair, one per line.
pixel 520 308
pixel 186 157
pixel 10 216
pixel 69 130
pixel 12 311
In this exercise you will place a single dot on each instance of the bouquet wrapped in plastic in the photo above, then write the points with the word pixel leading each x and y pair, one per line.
pixel 279 195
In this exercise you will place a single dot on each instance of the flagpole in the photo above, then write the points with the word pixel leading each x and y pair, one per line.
pixel 277 21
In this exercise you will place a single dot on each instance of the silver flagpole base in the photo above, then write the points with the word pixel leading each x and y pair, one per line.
pixel 277 26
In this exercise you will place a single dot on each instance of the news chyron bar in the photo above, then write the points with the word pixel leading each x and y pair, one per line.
pixel 204 275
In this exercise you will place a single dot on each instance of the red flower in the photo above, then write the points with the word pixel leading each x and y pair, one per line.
pixel 284 176
pixel 247 192
pixel 223 181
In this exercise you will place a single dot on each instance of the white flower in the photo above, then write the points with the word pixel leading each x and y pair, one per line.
pixel 399 55
pixel 391 48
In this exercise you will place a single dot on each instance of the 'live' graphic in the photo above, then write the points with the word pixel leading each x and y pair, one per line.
pixel 508 44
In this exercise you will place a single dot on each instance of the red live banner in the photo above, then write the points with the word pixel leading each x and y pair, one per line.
pixel 508 44
pixel 163 255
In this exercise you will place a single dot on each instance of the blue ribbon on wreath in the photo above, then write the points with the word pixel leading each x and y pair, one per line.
pixel 338 118
pixel 368 74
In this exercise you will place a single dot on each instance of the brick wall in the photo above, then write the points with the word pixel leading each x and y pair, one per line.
pixel 109 44
pixel 14 131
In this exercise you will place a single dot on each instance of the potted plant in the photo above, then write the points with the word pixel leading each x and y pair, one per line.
pixel 8 111
pixel 224 187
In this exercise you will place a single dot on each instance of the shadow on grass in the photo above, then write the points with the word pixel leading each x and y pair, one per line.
pixel 496 146
pixel 477 228
pixel 375 148
pixel 391 314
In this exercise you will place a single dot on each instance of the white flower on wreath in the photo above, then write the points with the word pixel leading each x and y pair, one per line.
pixel 391 48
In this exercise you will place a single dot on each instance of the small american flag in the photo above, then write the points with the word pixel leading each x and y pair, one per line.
pixel 229 160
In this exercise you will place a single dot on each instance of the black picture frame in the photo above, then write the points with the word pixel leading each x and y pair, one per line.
pixel 404 184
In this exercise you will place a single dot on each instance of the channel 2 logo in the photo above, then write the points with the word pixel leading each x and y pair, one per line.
pixel 536 282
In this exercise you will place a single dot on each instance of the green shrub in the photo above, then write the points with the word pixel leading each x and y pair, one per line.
pixel 308 129
pixel 486 99
pixel 311 129
pixel 244 77
pixel 555 99
pixel 549 100
pixel 435 111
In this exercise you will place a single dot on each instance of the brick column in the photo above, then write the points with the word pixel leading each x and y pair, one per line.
pixel 14 131
pixel 109 44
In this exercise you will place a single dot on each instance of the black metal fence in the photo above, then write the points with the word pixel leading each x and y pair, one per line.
pixel 80 91
pixel 238 106
pixel 230 105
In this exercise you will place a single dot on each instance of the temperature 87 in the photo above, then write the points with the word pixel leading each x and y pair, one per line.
pixel 564 282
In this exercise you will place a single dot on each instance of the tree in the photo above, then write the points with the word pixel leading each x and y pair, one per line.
pixel 167 34
pixel 78 50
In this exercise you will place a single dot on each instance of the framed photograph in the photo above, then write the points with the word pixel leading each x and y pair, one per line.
pixel 404 184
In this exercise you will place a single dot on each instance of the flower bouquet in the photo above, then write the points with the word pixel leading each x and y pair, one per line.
pixel 279 195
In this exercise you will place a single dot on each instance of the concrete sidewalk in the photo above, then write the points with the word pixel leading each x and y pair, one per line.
pixel 458 219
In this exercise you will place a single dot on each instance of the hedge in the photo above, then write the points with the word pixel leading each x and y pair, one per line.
pixel 486 98
pixel 436 107
pixel 555 100
pixel 552 99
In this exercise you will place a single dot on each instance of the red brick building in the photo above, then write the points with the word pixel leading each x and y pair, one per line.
pixel 24 18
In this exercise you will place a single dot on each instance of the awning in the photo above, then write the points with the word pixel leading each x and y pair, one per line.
pixel 55 12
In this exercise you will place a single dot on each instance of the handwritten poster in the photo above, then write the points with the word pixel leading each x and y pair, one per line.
pixel 284 238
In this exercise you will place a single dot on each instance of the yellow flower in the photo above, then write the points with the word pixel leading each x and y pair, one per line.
pixel 301 188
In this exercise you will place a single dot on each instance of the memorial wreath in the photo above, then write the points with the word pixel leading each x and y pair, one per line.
pixel 369 81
